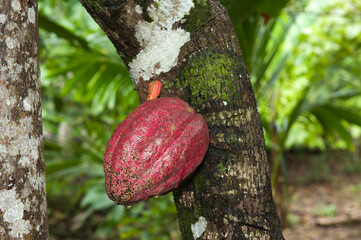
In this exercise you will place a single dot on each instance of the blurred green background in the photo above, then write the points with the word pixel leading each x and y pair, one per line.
pixel 304 59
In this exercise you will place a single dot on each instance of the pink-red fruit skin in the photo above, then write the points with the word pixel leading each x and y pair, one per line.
pixel 153 150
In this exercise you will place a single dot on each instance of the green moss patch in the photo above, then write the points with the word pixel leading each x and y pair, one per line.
pixel 212 76
pixel 197 16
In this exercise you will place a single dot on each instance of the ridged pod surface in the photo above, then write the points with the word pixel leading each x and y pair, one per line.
pixel 153 150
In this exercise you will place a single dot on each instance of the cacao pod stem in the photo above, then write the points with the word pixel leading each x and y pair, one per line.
pixel 154 90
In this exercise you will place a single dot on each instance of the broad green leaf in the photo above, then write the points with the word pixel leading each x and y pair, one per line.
pixel 299 109
pixel 241 10
pixel 272 8
pixel 51 26
pixel 332 124
pixel 346 113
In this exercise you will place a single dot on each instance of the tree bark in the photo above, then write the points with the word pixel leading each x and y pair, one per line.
pixel 199 59
pixel 23 208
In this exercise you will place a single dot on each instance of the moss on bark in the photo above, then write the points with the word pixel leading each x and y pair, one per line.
pixel 197 16
pixel 212 76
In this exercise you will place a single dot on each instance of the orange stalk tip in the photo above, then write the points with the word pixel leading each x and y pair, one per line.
pixel 154 90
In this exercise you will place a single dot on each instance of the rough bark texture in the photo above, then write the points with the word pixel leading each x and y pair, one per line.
pixel 199 59
pixel 22 170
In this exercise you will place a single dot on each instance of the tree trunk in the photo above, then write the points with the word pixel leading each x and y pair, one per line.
pixel 199 59
pixel 23 213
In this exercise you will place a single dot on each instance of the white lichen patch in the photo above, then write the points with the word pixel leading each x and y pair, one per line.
pixel 11 42
pixel 10 26
pixel 23 144
pixel 13 212
pixel 138 9
pixel 20 228
pixel 15 4
pixel 24 161
pixel 3 148
pixel 35 180
pixel 2 18
pixel 199 227
pixel 27 104
pixel 10 101
pixel 31 98
pixel 31 15
pixel 161 44
pixel 167 12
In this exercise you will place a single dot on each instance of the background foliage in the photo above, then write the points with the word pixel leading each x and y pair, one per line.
pixel 303 58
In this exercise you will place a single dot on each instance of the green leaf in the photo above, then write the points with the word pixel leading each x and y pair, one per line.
pixel 272 8
pixel 60 166
pixel 80 78
pixel 51 26
pixel 266 48
pixel 116 214
pixel 96 198
pixel 346 113
pixel 332 124
pixel 300 108
pixel 345 94
pixel 241 10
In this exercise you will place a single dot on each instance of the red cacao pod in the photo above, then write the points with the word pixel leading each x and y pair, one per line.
pixel 153 150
